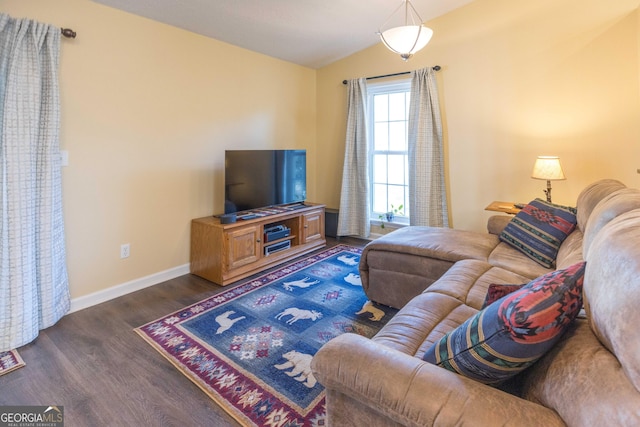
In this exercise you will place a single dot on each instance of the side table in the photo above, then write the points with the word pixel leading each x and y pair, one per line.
pixel 505 207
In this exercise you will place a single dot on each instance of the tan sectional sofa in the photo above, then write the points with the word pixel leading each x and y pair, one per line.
pixel 439 278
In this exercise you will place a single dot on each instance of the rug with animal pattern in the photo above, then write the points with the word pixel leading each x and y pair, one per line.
pixel 249 348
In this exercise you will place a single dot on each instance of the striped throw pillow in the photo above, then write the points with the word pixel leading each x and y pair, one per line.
pixel 515 331
pixel 539 229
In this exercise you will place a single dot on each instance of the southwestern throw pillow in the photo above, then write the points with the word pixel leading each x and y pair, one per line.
pixel 514 332
pixel 539 229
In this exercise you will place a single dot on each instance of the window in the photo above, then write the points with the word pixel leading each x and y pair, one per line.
pixel 388 130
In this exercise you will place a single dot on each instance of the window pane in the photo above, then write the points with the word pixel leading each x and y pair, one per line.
pixel 380 198
pixel 380 168
pixel 397 106
pixel 381 108
pixel 396 198
pixel 396 170
pixel 398 136
pixel 381 136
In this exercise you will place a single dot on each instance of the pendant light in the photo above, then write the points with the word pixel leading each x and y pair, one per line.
pixel 409 38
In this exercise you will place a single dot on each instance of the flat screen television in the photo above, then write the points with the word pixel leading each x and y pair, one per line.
pixel 261 178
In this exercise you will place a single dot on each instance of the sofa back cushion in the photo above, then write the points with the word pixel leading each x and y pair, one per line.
pixel 612 290
pixel 583 382
pixel 586 383
pixel 570 251
pixel 611 206
pixel 591 196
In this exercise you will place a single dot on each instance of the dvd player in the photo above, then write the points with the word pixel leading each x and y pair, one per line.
pixel 276 232
pixel 268 250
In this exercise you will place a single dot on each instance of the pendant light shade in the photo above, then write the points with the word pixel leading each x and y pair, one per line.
pixel 407 39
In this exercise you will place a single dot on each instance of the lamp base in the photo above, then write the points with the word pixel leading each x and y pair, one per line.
pixel 548 191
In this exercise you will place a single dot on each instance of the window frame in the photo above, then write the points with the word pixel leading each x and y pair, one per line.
pixel 373 89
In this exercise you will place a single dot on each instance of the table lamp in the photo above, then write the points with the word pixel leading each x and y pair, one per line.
pixel 548 167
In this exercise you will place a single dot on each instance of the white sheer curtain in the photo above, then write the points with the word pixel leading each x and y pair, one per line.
pixel 428 204
pixel 353 216
pixel 34 290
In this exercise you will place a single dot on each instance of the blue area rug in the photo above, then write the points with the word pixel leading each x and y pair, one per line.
pixel 249 348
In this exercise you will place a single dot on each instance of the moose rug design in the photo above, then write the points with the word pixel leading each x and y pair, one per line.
pixel 250 348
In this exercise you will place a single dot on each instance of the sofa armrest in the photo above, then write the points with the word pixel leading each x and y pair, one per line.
pixel 411 391
pixel 497 223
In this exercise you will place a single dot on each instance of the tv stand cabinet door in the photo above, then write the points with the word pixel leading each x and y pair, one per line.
pixel 313 226
pixel 243 246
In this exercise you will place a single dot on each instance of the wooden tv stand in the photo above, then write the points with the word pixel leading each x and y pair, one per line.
pixel 225 253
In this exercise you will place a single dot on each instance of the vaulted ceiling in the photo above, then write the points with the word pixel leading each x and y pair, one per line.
pixel 312 33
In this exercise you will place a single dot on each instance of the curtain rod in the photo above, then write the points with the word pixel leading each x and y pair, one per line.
pixel 436 68
pixel 68 33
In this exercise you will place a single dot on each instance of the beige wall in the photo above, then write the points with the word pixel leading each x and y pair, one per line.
pixel 519 79
pixel 148 109
pixel 147 112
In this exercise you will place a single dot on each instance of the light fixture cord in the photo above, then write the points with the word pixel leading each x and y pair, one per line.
pixel 391 16
pixel 406 12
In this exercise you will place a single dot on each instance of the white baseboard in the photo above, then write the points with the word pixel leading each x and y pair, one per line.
pixel 104 295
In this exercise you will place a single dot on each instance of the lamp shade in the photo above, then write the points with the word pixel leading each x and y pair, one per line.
pixel 406 40
pixel 548 168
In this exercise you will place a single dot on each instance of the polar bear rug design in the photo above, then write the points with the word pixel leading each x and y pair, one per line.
pixel 348 260
pixel 301 367
pixel 353 279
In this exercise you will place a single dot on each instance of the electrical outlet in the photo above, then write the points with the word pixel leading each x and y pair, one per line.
pixel 125 250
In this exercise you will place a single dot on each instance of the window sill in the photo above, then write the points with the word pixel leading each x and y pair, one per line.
pixel 378 231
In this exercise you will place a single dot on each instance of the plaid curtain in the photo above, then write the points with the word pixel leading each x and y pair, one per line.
pixel 353 216
pixel 428 204
pixel 34 288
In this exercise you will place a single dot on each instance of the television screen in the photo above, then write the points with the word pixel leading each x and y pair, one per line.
pixel 261 178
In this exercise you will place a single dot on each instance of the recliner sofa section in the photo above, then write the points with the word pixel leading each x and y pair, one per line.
pixel 439 278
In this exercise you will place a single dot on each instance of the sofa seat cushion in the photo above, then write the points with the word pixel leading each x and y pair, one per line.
pixel 539 229
pixel 446 244
pixel 400 265
pixel 393 278
pixel 423 321
pixel 468 281
pixel 509 258
pixel 511 334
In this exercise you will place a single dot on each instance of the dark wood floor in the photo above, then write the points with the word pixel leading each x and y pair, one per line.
pixel 95 365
